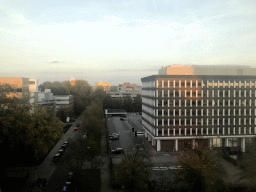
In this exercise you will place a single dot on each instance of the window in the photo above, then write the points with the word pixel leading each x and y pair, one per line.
pixel 32 82
pixel 182 84
pixel 199 84
pixel 188 83
pixel 193 84
pixel 19 90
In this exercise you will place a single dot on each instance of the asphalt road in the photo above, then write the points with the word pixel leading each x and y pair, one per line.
pixel 54 173
pixel 163 163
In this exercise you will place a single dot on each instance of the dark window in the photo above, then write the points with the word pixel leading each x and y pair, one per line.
pixel 19 90
pixel 182 84
pixel 165 132
pixel 199 84
pixel 159 121
pixel 177 84
pixel 160 113
pixel 159 132
pixel 188 93
pixel 165 84
pixel 32 82
pixel 188 83
pixel 171 83
pixel 194 84
pixel 165 113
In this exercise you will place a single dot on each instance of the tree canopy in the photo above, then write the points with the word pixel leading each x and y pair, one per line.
pixel 202 170
pixel 23 134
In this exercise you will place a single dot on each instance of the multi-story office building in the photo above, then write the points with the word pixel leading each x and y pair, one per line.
pixel 185 106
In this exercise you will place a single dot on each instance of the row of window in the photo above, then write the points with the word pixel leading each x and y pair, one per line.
pixel 208 83
pixel 207 121
pixel 208 112
pixel 206 93
pixel 207 131
pixel 208 102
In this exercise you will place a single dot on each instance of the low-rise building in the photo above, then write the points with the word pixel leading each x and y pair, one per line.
pixel 64 101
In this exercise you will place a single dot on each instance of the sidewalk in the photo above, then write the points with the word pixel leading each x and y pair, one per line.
pixel 105 172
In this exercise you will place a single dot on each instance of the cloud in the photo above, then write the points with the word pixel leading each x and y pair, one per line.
pixel 55 62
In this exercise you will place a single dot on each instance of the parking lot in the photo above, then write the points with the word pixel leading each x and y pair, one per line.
pixel 162 162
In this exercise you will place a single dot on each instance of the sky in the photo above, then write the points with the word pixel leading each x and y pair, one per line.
pixel 122 40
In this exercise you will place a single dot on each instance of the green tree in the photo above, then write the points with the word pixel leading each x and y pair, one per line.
pixel 137 103
pixel 133 172
pixel 202 170
pixel 128 103
pixel 248 165
pixel 98 93
pixel 47 130
pixel 107 102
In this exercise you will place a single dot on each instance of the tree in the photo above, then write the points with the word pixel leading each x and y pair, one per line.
pixel 202 170
pixel 107 102
pixel 248 165
pixel 137 103
pixel 133 173
pixel 128 103
pixel 79 88
pixel 99 93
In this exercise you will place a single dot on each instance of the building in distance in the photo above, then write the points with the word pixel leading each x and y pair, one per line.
pixel 105 85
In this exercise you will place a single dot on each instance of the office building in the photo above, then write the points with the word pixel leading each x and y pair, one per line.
pixel 186 106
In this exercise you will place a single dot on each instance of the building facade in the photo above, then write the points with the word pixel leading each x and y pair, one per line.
pixel 105 85
pixel 64 101
pixel 20 86
pixel 208 106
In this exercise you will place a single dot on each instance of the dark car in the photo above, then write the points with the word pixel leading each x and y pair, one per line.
pixel 61 151
pixel 114 137
pixel 64 146
pixel 122 119
pixel 66 143
pixel 76 128
pixel 57 157
pixel 118 151
pixel 78 124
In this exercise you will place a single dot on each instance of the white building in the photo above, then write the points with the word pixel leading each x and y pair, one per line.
pixel 186 106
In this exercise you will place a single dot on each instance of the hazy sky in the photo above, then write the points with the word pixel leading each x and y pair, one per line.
pixel 121 40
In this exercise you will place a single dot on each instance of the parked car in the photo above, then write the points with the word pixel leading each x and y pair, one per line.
pixel 61 151
pixel 122 119
pixel 76 128
pixel 64 146
pixel 114 137
pixel 115 134
pixel 78 124
pixel 57 157
pixel 66 143
pixel 118 151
